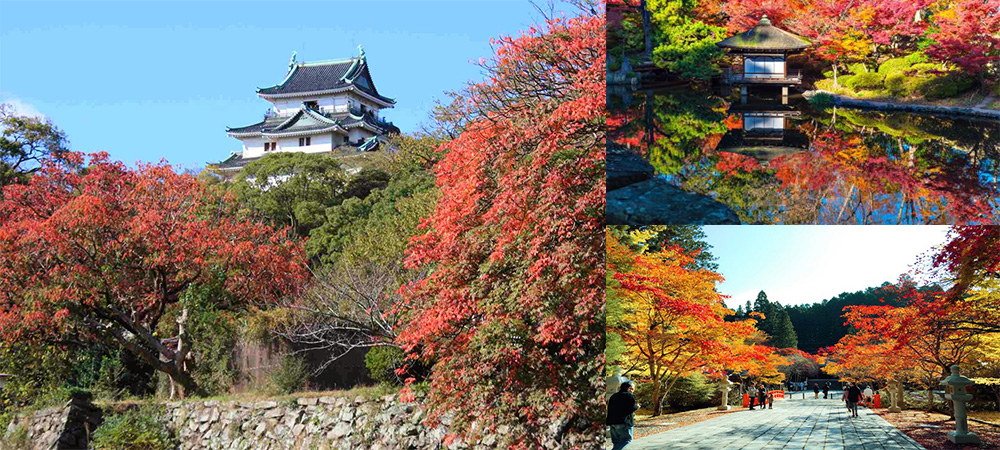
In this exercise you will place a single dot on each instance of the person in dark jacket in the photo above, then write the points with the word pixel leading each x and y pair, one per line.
pixel 816 389
pixel 761 396
pixel 853 397
pixel 621 407
pixel 826 390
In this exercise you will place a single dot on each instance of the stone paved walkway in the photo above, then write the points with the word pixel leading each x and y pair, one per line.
pixel 792 424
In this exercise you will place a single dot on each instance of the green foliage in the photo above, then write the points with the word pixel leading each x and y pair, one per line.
pixel 24 142
pixel 923 67
pixel 947 86
pixel 916 58
pixel 691 392
pixel 36 369
pixel 686 45
pixel 212 331
pixel 869 80
pixel 16 440
pixel 895 83
pixel 856 68
pixel 894 65
pixel 821 100
pixel 292 376
pixel 135 429
pixel 287 188
pixel 382 363
pixel 378 225
pixel 844 80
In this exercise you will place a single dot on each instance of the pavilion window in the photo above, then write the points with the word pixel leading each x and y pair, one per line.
pixel 304 141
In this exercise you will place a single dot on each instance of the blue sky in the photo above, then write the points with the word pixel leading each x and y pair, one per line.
pixel 144 80
pixel 805 264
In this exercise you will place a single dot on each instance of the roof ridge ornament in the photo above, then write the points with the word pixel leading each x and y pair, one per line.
pixel 291 62
pixel 361 52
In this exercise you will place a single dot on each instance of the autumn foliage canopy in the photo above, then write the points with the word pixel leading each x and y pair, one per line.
pixel 512 313
pixel 99 253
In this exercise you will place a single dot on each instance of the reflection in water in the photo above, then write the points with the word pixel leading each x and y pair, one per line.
pixel 790 163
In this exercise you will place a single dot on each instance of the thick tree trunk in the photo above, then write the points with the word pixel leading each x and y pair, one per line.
pixel 657 409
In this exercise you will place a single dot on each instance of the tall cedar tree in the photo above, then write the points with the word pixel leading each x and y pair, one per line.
pixel 513 313
pixel 101 253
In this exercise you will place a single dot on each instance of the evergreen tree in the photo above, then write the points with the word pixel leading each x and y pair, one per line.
pixel 784 333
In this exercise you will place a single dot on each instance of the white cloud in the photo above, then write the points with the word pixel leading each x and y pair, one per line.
pixel 24 109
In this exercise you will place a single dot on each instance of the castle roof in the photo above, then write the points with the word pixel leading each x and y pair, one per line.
pixel 765 37
pixel 307 121
pixel 323 77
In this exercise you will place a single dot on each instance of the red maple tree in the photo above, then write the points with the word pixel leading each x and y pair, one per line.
pixel 100 254
pixel 512 314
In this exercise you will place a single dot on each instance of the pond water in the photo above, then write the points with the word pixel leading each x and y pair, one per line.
pixel 786 162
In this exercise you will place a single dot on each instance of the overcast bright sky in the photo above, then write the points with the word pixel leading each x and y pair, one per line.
pixel 809 263
pixel 145 80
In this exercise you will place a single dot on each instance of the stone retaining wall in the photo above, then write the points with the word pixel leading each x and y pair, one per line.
pixel 65 427
pixel 333 422
pixel 302 423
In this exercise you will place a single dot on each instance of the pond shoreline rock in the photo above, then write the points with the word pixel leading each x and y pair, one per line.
pixel 625 167
pixel 656 202
pixel 956 111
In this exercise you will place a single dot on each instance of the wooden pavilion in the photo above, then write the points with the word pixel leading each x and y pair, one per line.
pixel 764 51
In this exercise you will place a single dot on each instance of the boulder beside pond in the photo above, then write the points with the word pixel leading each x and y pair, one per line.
pixel 625 167
pixel 656 202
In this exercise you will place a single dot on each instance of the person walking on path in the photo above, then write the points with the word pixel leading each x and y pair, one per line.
pixel 770 400
pixel 843 398
pixel 816 389
pixel 853 396
pixel 869 395
pixel 621 407
pixel 761 396
pixel 752 394
pixel 826 390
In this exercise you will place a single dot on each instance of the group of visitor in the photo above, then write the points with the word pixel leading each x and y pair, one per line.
pixel 760 396
pixel 826 390
pixel 854 395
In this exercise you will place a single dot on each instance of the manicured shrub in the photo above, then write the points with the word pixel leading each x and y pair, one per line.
pixel 916 58
pixel 868 80
pixel 894 65
pixel 292 376
pixel 382 363
pixel 691 393
pixel 821 100
pixel 895 84
pixel 843 80
pixel 947 86
pixel 857 68
pixel 828 74
pixel 923 67
pixel 137 429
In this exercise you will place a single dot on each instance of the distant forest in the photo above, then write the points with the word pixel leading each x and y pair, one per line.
pixel 813 326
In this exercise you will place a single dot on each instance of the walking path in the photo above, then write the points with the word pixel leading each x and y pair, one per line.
pixel 792 424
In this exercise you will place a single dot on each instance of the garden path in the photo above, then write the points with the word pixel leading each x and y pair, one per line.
pixel 792 424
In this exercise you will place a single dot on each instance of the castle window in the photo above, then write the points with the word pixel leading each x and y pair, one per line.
pixel 267 147
pixel 305 141
pixel 312 105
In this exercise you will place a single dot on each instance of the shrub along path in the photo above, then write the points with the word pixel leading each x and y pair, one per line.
pixel 792 424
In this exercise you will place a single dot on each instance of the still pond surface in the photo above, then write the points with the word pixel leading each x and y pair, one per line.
pixel 776 162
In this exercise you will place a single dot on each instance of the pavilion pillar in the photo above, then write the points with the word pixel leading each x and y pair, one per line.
pixel 725 387
pixel 959 396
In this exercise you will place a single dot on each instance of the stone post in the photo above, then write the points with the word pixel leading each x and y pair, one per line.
pixel 613 382
pixel 725 387
pixel 959 396
pixel 895 394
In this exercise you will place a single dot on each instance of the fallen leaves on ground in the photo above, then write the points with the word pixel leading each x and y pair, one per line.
pixel 910 421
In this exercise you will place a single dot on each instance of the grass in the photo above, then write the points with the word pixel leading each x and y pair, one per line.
pixel 367 392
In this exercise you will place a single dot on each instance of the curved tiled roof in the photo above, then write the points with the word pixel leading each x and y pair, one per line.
pixel 307 120
pixel 327 76
pixel 765 37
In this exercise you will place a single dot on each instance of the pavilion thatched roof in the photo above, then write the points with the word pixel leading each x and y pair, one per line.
pixel 765 37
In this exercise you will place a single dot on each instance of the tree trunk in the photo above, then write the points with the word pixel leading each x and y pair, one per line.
pixel 930 399
pixel 835 75
pixel 657 409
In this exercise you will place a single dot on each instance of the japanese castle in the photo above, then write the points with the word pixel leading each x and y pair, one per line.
pixel 319 107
